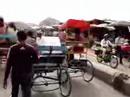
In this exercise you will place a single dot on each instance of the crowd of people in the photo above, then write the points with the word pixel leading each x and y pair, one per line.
pixel 121 45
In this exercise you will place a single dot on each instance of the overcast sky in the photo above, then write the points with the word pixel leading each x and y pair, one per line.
pixel 36 10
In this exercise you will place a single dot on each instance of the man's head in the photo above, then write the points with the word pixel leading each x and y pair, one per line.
pixel 30 33
pixel 12 25
pixel 77 31
pixel 106 36
pixel 1 22
pixel 21 35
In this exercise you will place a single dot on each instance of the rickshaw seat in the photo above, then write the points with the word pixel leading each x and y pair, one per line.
pixel 55 49
pixel 78 49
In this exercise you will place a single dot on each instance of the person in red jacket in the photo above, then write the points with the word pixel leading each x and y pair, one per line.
pixel 20 60
pixel 126 46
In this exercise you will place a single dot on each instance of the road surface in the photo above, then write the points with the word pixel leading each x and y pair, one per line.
pixel 96 88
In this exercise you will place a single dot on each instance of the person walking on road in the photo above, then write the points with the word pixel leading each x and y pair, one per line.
pixel 119 41
pixel 2 26
pixel 20 61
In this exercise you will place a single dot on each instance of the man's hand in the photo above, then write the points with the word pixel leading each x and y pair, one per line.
pixel 5 84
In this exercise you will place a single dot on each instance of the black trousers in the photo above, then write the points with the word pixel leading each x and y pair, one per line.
pixel 119 53
pixel 25 82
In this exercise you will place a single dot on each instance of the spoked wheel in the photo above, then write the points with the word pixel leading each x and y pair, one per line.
pixel 65 83
pixel 114 61
pixel 87 70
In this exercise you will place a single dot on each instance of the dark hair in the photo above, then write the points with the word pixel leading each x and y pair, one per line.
pixel 128 41
pixel 12 25
pixel 30 33
pixel 21 35
pixel 1 22
pixel 77 30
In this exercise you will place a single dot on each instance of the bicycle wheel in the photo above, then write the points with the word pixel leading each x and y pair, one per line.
pixel 114 61
pixel 87 70
pixel 65 83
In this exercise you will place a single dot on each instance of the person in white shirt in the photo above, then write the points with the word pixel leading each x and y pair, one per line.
pixel 105 43
pixel 119 40
pixel 12 30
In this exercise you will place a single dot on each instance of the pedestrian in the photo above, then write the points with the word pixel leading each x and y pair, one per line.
pixel 2 26
pixel 119 41
pixel 20 61
pixel 12 30
pixel 39 37
pixel 2 30
pixel 78 36
pixel 126 51
pixel 30 39
pixel 62 35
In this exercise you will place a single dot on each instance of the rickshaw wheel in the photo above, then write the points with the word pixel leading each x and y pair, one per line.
pixel 87 71
pixel 65 83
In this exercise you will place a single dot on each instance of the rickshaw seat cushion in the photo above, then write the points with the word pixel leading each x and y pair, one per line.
pixel 53 52
pixel 78 49
pixel 55 49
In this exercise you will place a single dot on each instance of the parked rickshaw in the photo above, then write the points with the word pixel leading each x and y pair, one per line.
pixel 51 69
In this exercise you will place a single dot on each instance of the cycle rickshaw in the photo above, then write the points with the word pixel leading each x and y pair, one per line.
pixel 77 60
pixel 51 69
pixel 77 50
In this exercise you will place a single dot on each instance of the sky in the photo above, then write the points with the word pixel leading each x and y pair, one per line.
pixel 34 11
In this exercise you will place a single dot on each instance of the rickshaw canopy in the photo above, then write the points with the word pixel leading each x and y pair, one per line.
pixel 73 23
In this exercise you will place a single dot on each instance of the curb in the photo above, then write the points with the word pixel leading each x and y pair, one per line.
pixel 126 87
pixel 107 74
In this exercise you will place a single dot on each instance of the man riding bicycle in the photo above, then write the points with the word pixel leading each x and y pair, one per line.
pixel 105 44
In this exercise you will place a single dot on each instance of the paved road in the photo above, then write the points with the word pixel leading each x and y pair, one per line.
pixel 96 88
